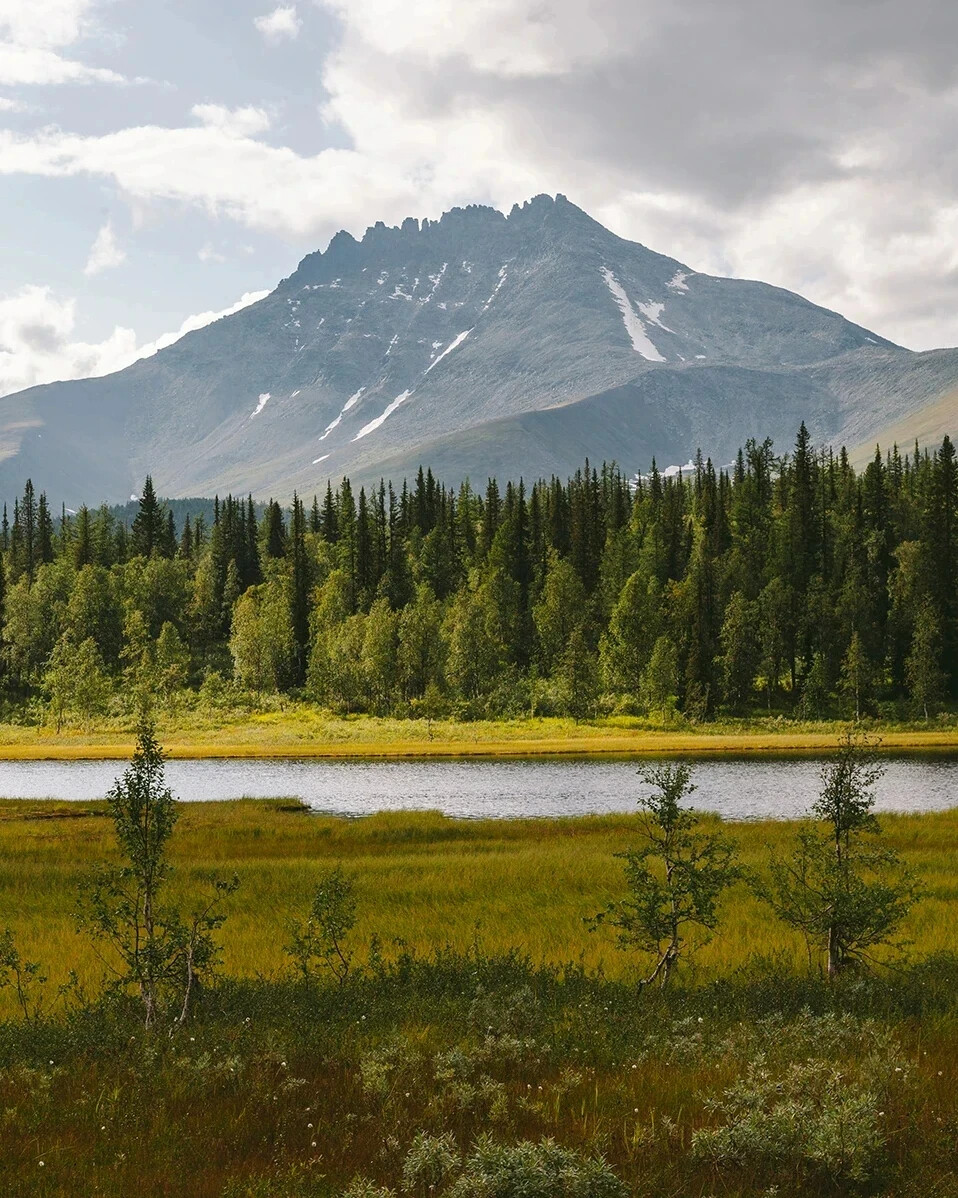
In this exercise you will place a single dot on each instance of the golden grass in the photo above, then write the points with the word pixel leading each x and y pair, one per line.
pixel 421 877
pixel 300 730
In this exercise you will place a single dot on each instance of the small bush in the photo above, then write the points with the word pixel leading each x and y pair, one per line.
pixel 528 1170
pixel 430 1162
pixel 810 1117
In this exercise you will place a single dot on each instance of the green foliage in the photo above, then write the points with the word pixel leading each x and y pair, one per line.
pixel 675 877
pixel 262 644
pixel 75 680
pixel 922 672
pixel 857 676
pixel 25 977
pixel 558 614
pixel 529 1170
pixel 791 579
pixel 811 1118
pixel 660 678
pixel 840 889
pixel 577 674
pixel 738 640
pixel 319 941
pixel 431 1161
pixel 154 950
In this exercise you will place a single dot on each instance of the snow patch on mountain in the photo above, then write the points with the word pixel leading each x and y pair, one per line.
pixel 380 420
pixel 263 400
pixel 351 402
pixel 503 271
pixel 448 350
pixel 677 281
pixel 641 342
pixel 652 313
pixel 435 279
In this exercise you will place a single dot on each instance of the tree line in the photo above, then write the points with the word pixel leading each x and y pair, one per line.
pixel 790 583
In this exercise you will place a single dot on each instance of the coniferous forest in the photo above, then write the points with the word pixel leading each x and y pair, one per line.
pixel 790 584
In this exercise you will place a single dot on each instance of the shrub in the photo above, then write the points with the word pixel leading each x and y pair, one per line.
pixel 318 942
pixel 528 1170
pixel 810 1117
pixel 430 1162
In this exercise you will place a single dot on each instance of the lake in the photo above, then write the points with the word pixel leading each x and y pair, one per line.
pixel 778 788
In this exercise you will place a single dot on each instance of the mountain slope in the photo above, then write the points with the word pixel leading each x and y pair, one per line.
pixel 480 344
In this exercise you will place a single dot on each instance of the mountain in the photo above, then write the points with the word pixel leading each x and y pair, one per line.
pixel 478 344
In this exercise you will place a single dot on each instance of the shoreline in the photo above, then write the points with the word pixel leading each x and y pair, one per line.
pixel 598 744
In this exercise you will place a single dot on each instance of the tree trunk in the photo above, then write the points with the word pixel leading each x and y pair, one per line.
pixel 834 957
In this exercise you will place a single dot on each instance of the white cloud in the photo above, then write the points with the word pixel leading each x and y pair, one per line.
pixel 8 104
pixel 105 253
pixel 44 23
pixel 812 147
pixel 38 345
pixel 226 172
pixel 37 342
pixel 209 253
pixel 282 22
pixel 32 65
pixel 233 122
pixel 32 32
pixel 199 321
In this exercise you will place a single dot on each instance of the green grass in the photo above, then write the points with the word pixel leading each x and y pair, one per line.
pixel 528 1028
pixel 421 877
pixel 303 730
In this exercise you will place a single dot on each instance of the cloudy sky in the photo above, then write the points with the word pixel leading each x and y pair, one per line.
pixel 164 161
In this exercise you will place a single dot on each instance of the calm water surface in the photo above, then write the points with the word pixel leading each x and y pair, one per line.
pixel 737 789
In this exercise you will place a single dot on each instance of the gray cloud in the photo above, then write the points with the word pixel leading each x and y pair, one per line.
pixel 813 144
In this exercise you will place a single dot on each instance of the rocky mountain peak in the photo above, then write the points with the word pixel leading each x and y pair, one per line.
pixel 479 343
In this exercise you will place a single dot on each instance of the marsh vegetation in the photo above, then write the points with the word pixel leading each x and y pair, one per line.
pixel 408 1004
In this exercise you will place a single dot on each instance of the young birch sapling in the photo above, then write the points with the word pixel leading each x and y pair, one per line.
pixel 319 941
pixel 155 950
pixel 840 888
pixel 675 877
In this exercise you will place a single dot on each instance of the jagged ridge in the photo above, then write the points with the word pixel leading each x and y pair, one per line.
pixel 481 342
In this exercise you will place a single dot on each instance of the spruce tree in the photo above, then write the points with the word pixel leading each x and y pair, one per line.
pixel 299 588
pixel 148 533
pixel 44 552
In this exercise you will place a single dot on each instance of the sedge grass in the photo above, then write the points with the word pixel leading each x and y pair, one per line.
pixel 421 878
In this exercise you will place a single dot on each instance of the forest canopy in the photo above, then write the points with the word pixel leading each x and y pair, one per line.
pixel 791 584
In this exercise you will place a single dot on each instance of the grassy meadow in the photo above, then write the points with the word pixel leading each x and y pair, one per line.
pixel 493 1047
pixel 421 878
pixel 286 728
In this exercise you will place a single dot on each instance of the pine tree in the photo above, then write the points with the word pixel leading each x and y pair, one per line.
pixel 83 542
pixel 275 531
pixel 44 552
pixel 186 541
pixel 148 534
pixel 739 643
pixel 299 588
